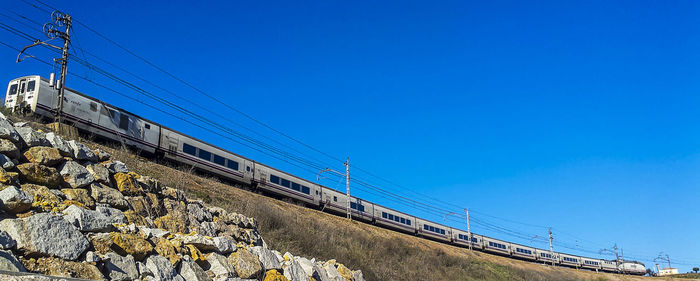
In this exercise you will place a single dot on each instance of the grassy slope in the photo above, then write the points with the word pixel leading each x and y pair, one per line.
pixel 381 254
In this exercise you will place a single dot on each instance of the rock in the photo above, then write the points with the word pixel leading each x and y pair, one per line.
pixel 7 131
pixel 15 200
pixel 46 234
pixel 57 142
pixel 200 213
pixel 144 273
pixel 90 256
pixel 6 163
pixel 307 265
pixel 6 177
pixel 202 243
pixel 130 244
pixel 319 274
pixel 6 242
pixel 189 270
pixel 82 152
pixel 75 174
pixel 153 232
pixel 294 272
pixel 219 266
pixel 113 215
pixel 99 173
pixel 87 220
pixel 149 184
pixel 161 269
pixel 57 267
pixel 43 155
pixel 357 276
pixel 32 137
pixel 9 149
pixel 120 268
pixel 127 184
pixel 43 197
pixel 101 242
pixel 267 258
pixel 246 264
pixel 108 195
pixel 102 155
pixel 207 229
pixel 167 250
pixel 80 195
pixel 273 275
pixel 344 271
pixel 131 217
pixel 40 174
pixel 115 167
pixel 225 245
pixel 8 262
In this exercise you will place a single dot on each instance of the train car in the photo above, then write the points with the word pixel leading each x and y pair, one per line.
pixel 194 152
pixel 461 237
pixel 632 267
pixel 497 246
pixel 433 230
pixel 570 260
pixel 590 263
pixel 545 256
pixel 336 201
pixel 608 266
pixel 523 252
pixel 33 94
pixel 393 219
pixel 281 183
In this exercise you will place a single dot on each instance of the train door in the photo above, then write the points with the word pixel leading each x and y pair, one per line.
pixel 249 169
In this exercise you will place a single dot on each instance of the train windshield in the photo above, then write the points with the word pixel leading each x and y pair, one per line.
pixel 13 89
pixel 30 86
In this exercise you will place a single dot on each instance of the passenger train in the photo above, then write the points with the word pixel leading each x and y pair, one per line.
pixel 35 95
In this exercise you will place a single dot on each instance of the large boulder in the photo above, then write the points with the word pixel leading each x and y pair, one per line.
pixel 115 166
pixel 99 172
pixel 58 267
pixel 43 155
pixel 120 268
pixel 40 174
pixel 32 137
pixel 102 155
pixel 15 200
pixel 130 244
pixel 294 272
pixel 79 195
pixel 246 264
pixel 82 152
pixel 87 220
pixel 273 275
pixel 75 174
pixel 225 245
pixel 46 234
pixel 219 266
pixel 201 242
pixel 161 269
pixel 200 213
pixel 43 196
pixel 108 195
pixel 267 258
pixel 8 262
pixel 7 131
pixel 189 270
pixel 113 215
pixel 9 149
pixel 127 184
pixel 166 249
pixel 59 143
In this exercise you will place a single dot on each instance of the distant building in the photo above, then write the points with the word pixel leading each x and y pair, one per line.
pixel 668 271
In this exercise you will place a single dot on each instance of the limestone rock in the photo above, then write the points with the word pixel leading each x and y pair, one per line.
pixel 8 262
pixel 80 195
pixel 46 234
pixel 6 242
pixel 173 222
pixel 153 232
pixel 7 131
pixel 127 184
pixel 115 167
pixel 202 243
pixel 75 174
pixel 15 200
pixel 161 269
pixel 57 267
pixel 225 245
pixel 87 220
pixel 6 163
pixel 293 271
pixel 101 242
pixel 207 228
pixel 267 258
pixel 219 266
pixel 130 244
pixel 9 149
pixel 108 195
pixel 307 265
pixel 319 273
pixel 246 264
pixel 44 198
pixel 40 174
pixel 120 268
pixel 90 256
pixel 332 272
pixel 59 143
pixel 32 137
pixel 113 215
pixel 191 271
pixel 273 275
pixel 102 155
pixel 199 212
pixel 344 271
pixel 82 152
pixel 99 173
pixel 167 250
pixel 357 276
pixel 43 155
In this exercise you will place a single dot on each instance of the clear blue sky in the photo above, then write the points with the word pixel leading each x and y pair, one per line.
pixel 579 115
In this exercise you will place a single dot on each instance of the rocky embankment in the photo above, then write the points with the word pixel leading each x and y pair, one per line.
pixel 67 210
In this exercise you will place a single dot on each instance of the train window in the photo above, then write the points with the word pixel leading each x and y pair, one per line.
pixel 93 106
pixel 206 155
pixel 335 198
pixel 21 88
pixel 234 165
pixel 13 89
pixel 219 160
pixel 247 168
pixel 124 122
pixel 191 150
pixel 147 126
pixel 285 183
pixel 305 189
pixel 273 178
pixel 403 220
pixel 408 222
pixel 296 186
pixel 397 219
pixel 30 86
pixel 391 217
pixel 384 215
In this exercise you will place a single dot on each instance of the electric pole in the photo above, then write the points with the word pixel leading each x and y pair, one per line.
pixel 613 251
pixel 51 31
pixel 347 183
pixel 551 248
